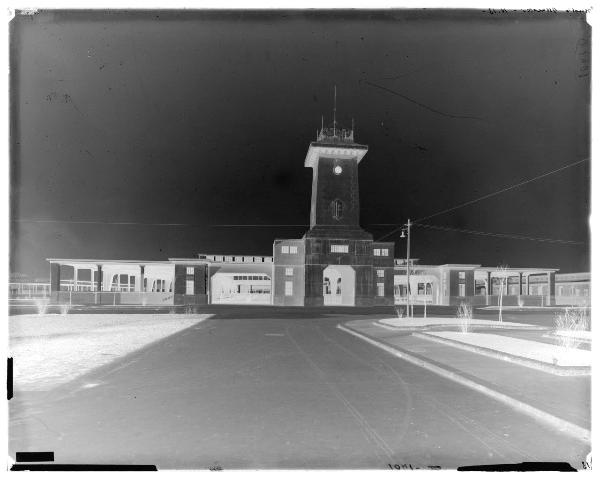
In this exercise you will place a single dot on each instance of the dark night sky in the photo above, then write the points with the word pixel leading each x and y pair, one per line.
pixel 205 119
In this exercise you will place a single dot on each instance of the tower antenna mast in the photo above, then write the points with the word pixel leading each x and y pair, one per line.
pixel 334 106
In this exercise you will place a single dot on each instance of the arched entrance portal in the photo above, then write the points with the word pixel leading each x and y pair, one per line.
pixel 338 286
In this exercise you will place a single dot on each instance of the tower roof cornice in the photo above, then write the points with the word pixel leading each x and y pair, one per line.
pixel 332 149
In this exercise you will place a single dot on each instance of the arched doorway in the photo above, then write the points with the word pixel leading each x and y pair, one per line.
pixel 338 286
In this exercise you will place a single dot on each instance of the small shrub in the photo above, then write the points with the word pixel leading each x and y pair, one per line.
pixel 464 314
pixel 400 312
pixel 572 320
pixel 42 306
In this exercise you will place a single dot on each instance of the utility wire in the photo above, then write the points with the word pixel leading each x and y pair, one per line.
pixel 497 234
pixel 420 104
pixel 99 222
pixel 417 222
pixel 487 196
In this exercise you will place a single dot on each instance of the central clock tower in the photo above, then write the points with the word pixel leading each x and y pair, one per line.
pixel 335 207
pixel 336 262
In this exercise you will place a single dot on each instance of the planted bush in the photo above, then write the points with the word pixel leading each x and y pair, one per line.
pixel 572 320
pixel 464 314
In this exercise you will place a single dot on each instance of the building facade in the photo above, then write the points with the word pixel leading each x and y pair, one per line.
pixel 335 263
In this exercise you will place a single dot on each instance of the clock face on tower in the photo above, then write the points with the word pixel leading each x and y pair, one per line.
pixel 337 170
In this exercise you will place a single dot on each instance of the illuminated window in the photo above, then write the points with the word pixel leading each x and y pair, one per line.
pixel 461 275
pixel 293 249
pixel 285 249
pixel 380 289
pixel 380 273
pixel 339 248
pixel 376 252
pixel 189 271
pixel 289 288
pixel 289 271
pixel 385 252
pixel 461 290
pixel 189 287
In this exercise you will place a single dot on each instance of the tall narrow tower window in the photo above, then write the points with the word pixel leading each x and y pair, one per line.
pixel 337 209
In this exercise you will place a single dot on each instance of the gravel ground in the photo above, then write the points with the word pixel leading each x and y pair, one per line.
pixel 52 349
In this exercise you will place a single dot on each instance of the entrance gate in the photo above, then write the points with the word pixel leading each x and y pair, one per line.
pixel 338 286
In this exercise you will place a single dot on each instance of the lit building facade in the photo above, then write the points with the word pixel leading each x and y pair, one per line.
pixel 335 263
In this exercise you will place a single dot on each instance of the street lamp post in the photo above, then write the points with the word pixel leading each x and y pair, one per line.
pixel 408 306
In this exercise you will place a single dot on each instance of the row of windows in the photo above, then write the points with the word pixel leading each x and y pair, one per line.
pixel 337 248
pixel 249 259
pixel 251 278
pixel 422 289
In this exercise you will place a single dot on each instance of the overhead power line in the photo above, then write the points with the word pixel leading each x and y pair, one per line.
pixel 492 194
pixel 497 234
pixel 100 222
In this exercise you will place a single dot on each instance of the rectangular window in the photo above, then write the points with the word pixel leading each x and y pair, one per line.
pixel 421 288
pixel 189 271
pixel 189 287
pixel 376 252
pixel 461 275
pixel 289 288
pixel 380 289
pixel 385 252
pixel 285 249
pixel 380 273
pixel 293 249
pixel 461 290
pixel 289 271
pixel 339 248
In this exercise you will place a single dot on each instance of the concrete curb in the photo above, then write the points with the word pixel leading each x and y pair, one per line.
pixel 445 326
pixel 561 425
pixel 522 361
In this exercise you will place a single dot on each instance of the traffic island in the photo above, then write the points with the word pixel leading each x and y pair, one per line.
pixel 561 402
pixel 545 357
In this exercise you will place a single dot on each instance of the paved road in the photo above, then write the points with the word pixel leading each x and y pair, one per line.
pixel 263 392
